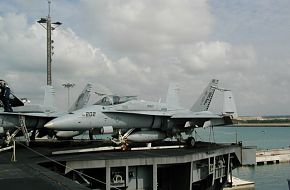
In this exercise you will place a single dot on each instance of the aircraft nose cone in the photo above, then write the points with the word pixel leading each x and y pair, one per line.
pixel 49 125
pixel 61 123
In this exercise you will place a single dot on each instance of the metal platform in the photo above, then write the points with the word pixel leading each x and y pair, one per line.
pixel 204 166
pixel 273 156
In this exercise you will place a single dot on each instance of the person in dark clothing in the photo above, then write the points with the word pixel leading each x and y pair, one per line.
pixel 4 96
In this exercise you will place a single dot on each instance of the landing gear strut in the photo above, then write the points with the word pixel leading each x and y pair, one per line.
pixel 10 138
pixel 122 139
pixel 189 139
pixel 91 136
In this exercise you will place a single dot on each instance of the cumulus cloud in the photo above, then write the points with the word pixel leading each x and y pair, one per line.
pixel 137 48
pixel 147 26
pixel 22 52
pixel 218 57
pixel 23 59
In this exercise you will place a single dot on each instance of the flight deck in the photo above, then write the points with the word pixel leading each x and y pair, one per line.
pixel 207 165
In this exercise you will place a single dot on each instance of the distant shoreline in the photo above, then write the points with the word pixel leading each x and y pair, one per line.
pixel 260 125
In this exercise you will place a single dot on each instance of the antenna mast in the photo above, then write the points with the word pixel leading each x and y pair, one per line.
pixel 49 28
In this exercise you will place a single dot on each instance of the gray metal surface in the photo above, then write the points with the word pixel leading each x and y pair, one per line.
pixel 28 170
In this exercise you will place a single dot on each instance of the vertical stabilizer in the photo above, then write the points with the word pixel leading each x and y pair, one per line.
pixel 203 102
pixel 49 96
pixel 82 99
pixel 172 99
pixel 229 107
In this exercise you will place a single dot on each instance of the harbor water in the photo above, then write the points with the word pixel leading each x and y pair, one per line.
pixel 266 177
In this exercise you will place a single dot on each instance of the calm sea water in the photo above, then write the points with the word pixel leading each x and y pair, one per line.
pixel 267 177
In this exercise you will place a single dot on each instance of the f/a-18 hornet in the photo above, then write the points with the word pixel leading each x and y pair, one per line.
pixel 143 121
pixel 32 117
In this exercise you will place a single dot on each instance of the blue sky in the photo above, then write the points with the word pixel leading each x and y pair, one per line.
pixel 138 47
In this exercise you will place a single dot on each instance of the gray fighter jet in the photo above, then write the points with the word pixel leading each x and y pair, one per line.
pixel 143 121
pixel 33 116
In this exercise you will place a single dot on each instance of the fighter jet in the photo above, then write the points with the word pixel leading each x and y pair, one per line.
pixel 143 121
pixel 33 116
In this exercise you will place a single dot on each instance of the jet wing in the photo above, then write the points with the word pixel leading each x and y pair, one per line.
pixel 11 120
pixel 172 114
pixel 204 116
pixel 52 115
pixel 214 119
pixel 195 115
pixel 153 113
pixel 183 116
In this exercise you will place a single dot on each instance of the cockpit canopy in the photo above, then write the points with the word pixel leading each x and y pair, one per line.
pixel 113 100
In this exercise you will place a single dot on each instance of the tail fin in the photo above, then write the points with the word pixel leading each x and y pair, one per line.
pixel 46 107
pixel 229 107
pixel 48 96
pixel 172 99
pixel 203 102
pixel 82 99
pixel 15 101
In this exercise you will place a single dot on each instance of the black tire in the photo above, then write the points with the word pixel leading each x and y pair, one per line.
pixel 191 141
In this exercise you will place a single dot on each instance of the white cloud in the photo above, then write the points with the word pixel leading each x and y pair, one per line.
pixel 147 26
pixel 217 57
pixel 137 48
pixel 23 59
pixel 166 48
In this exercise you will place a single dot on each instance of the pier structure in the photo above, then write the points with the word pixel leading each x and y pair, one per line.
pixel 240 184
pixel 270 121
pixel 272 156
pixel 206 166
pixel 157 169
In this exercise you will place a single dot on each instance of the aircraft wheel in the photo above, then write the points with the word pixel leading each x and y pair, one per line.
pixel 191 141
pixel 125 146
